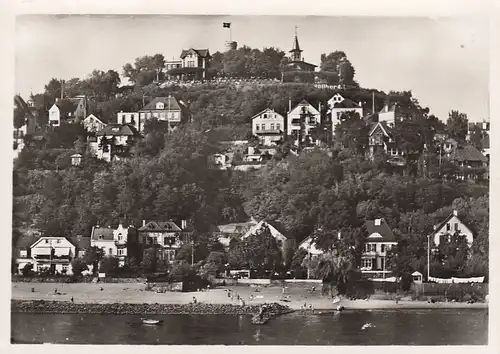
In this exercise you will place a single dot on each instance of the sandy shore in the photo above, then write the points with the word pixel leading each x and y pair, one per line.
pixel 135 293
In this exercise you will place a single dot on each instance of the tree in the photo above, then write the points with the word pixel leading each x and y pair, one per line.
pixel 180 270
pixel 93 255
pixel 261 251
pixel 336 69
pixel 456 125
pixel 146 69
pixel 53 89
pixel 476 137
pixel 149 260
pixel 109 265
pixel 215 263
pixel 78 265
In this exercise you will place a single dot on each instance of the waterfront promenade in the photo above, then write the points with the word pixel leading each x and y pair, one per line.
pixel 135 293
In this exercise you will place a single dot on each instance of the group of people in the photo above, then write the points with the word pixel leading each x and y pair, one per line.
pixel 233 296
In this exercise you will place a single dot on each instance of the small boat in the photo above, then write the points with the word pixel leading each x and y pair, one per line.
pixel 367 325
pixel 150 321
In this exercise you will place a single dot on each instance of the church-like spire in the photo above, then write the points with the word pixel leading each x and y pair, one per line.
pixel 296 51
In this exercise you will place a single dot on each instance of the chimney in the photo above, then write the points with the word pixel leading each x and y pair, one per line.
pixel 183 224
pixel 360 104
pixel 338 235
pixel 289 105
pixel 143 222
pixel 319 107
pixel 455 213
pixel 386 108
pixel 251 150
pixel 377 222
pixel 435 227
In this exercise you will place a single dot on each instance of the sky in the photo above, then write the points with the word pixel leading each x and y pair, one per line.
pixel 443 61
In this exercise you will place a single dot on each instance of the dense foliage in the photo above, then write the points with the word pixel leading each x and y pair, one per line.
pixel 319 194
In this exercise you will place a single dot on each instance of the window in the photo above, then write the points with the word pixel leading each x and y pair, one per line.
pixel 448 227
pixel 272 126
pixel 110 252
pixel 58 241
pixel 257 126
pixel 162 115
pixel 121 252
pixel 149 115
pixel 265 115
pixel 120 237
pixel 382 248
pixel 263 127
pixel 278 126
pixel 160 105
pixel 65 267
pixel 370 247
pixel 169 115
pixel 456 226
pixel 366 263
pixel 23 253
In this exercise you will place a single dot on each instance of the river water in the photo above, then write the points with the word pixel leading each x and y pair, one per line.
pixel 390 327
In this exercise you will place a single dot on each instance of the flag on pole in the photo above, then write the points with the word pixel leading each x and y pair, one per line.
pixel 226 24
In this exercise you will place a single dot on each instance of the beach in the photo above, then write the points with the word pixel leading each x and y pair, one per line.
pixel 136 293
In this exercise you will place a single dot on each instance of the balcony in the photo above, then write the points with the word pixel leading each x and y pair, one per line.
pixel 269 131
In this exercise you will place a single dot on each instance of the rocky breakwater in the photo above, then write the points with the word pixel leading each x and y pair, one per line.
pixel 61 307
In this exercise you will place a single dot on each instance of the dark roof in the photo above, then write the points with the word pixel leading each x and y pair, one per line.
pixel 346 103
pixel 80 242
pixel 468 153
pixel 201 52
pixel 296 47
pixel 383 229
pixel 118 130
pixel 105 232
pixel 169 101
pixel 160 226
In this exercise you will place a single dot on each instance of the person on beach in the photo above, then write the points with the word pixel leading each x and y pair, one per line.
pixel 72 300
pixel 194 300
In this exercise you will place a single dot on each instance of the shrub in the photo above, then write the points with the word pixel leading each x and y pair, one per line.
pixel 109 265
pixel 27 270
pixel 78 265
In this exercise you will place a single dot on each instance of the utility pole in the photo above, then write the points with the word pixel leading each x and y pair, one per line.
pixel 428 256
pixel 192 252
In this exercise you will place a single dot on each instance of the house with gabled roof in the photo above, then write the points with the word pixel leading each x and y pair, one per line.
pixel 379 240
pixel 283 242
pixel 268 126
pixel 381 138
pixel 448 227
pixel 471 162
pixel 115 242
pixel 166 236
pixel 302 120
pixel 93 124
pixel 196 58
pixel 68 110
pixel 114 141
pixel 164 109
pixel 49 253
